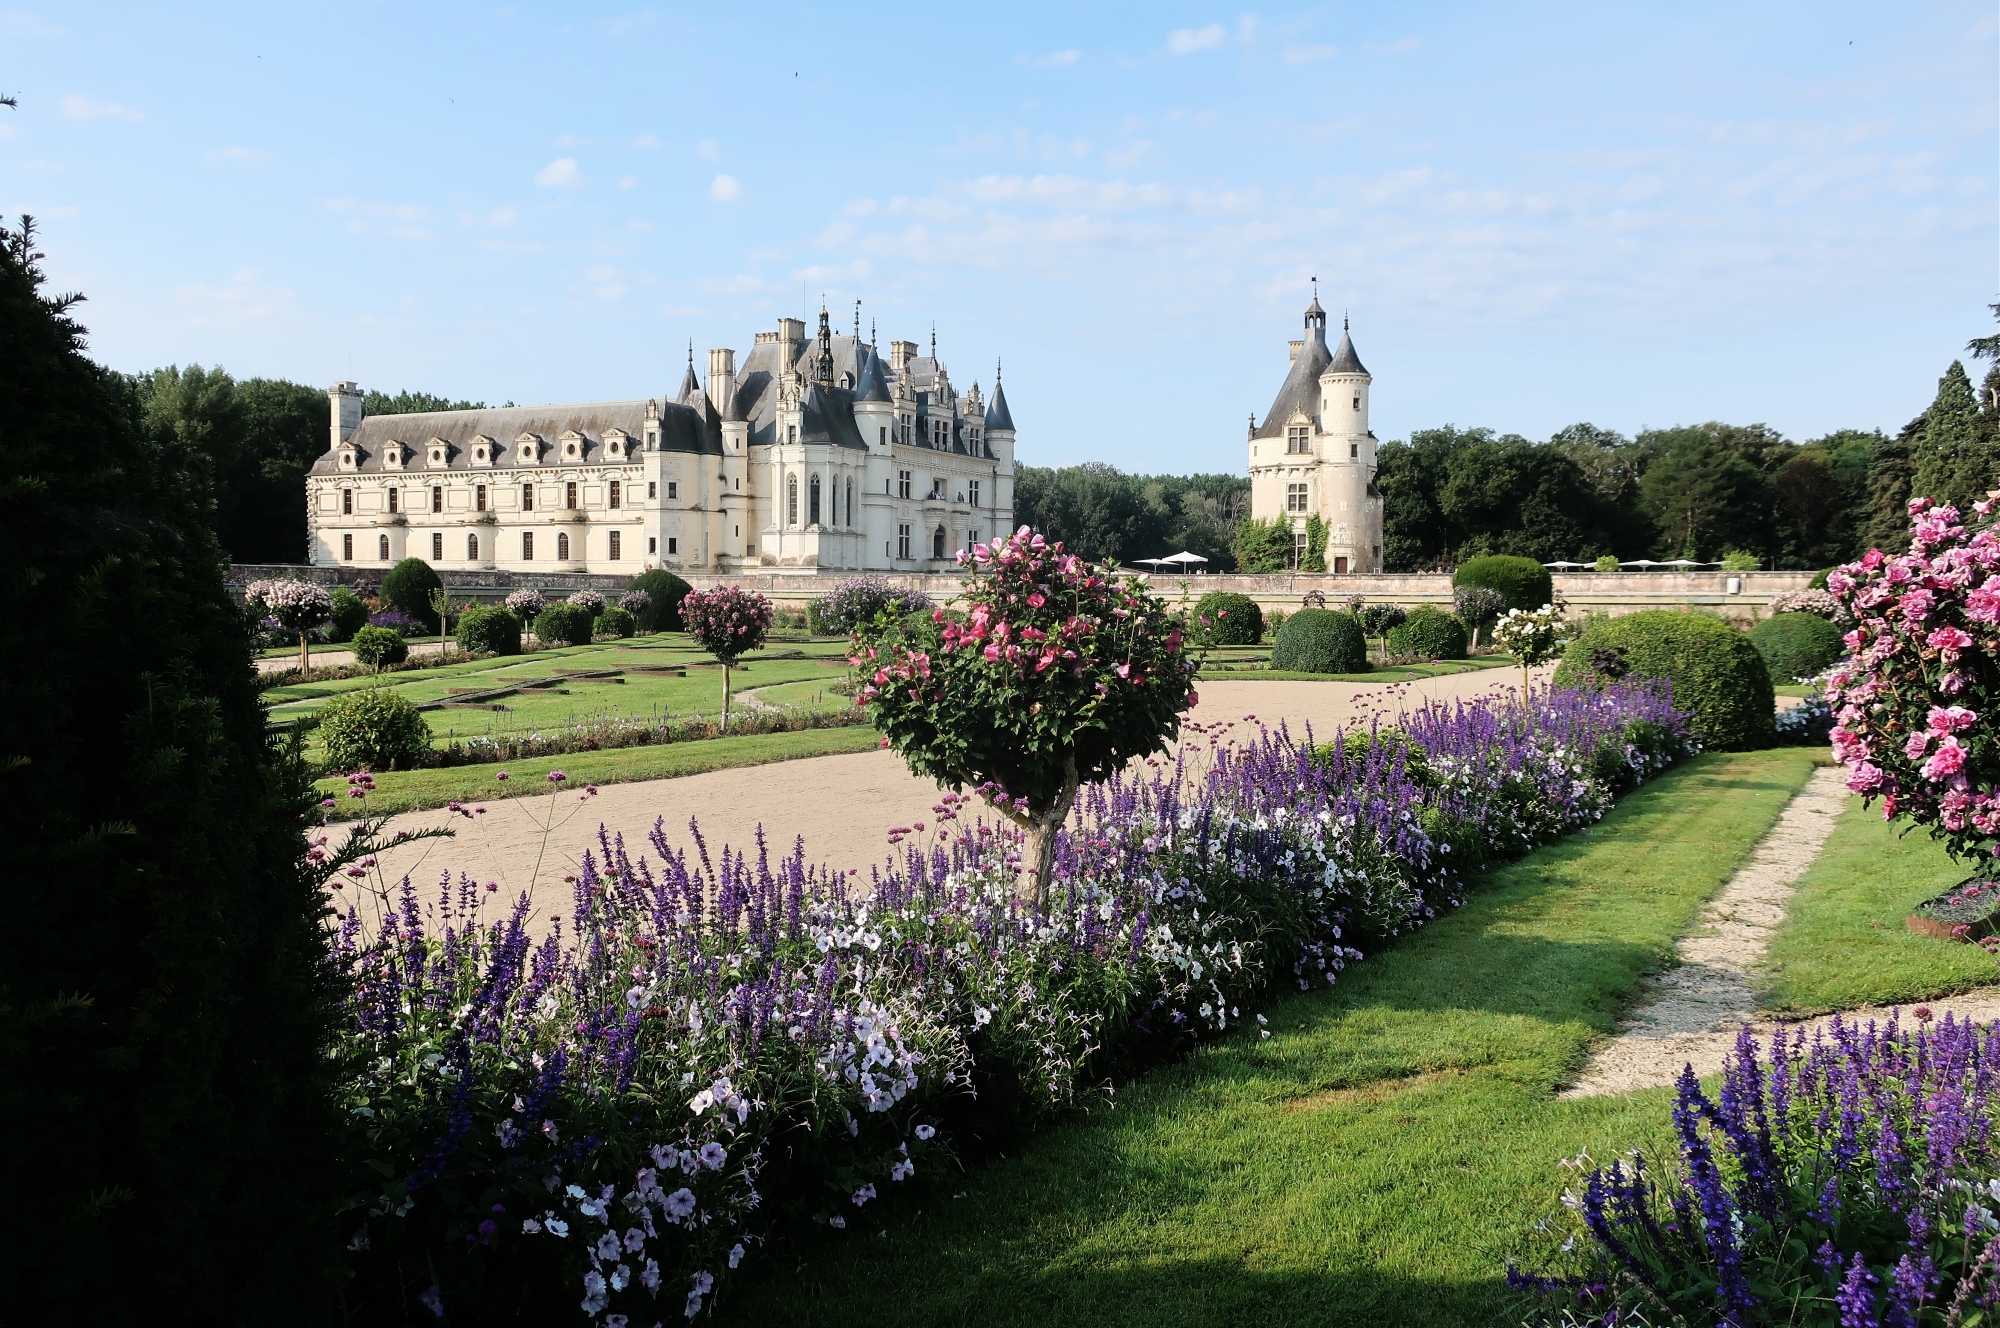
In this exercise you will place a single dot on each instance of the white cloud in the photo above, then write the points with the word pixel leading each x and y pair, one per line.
pixel 1052 60
pixel 708 150
pixel 860 207
pixel 7 130
pixel 83 108
pixel 1186 41
pixel 246 156
pixel 17 24
pixel 725 189
pixel 1246 28
pixel 562 173
pixel 628 181
pixel 1305 55
pixel 648 141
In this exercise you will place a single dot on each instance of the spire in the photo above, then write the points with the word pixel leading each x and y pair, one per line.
pixel 871 334
pixel 823 360
pixel 997 414
pixel 873 386
pixel 690 385
pixel 1345 361
pixel 1315 316
pixel 857 322
pixel 934 341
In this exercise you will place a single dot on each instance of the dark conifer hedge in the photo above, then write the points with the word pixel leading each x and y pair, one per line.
pixel 165 1000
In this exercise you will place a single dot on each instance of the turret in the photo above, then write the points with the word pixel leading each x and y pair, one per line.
pixel 874 408
pixel 999 422
pixel 1343 410
pixel 345 400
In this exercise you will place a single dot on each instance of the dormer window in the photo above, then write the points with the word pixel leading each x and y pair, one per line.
pixel 392 456
pixel 615 444
pixel 484 451
pixel 529 448
pixel 572 445
pixel 1298 438
pixel 350 458
pixel 440 453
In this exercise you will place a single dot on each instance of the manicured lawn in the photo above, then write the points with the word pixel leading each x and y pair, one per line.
pixel 409 790
pixel 1385 673
pixel 1374 1163
pixel 1843 943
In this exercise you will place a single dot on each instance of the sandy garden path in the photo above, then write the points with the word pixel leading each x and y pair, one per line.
pixel 842 805
pixel 1693 1012
pixel 326 659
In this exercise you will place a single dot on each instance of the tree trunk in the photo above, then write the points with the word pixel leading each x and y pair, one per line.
pixel 725 696
pixel 1038 854
pixel 305 655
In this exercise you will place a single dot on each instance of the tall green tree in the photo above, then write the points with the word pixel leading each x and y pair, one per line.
pixel 1889 485
pixel 1954 457
pixel 1704 499
pixel 407 402
pixel 166 996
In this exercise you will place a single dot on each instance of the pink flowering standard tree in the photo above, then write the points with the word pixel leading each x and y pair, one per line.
pixel 1911 703
pixel 296 606
pixel 1054 675
pixel 728 622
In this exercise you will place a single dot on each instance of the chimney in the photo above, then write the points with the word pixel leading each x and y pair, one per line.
pixel 345 400
pixel 721 378
pixel 900 354
pixel 1297 346
pixel 792 333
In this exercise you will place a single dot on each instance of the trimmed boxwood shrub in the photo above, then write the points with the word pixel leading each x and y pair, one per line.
pixel 489 630
pixel 1225 618
pixel 1430 633
pixel 408 587
pixel 1797 645
pixel 667 590
pixel 1522 582
pixel 375 728
pixel 376 646
pixel 1320 641
pixel 565 625
pixel 615 621
pixel 350 614
pixel 1716 674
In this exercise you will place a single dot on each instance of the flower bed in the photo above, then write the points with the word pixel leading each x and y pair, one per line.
pixel 720 1044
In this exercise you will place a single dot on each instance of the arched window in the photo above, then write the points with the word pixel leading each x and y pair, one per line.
pixel 383 544
pixel 562 546
pixel 472 548
pixel 812 501
pixel 937 542
pixel 850 501
pixel 791 500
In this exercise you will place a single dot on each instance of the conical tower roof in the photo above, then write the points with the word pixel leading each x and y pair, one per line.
pixel 874 386
pixel 997 415
pixel 1345 361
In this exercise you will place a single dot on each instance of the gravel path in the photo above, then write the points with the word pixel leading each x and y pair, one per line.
pixel 1693 1011
pixel 326 659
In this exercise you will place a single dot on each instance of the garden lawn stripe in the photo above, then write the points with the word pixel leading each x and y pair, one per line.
pixel 1377 1166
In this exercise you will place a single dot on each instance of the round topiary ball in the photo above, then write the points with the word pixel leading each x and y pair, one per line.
pixel 666 591
pixel 1797 645
pixel 408 587
pixel 618 622
pixel 1716 674
pixel 565 625
pixel 489 630
pixel 350 614
pixel 1430 633
pixel 1224 618
pixel 376 646
pixel 1522 582
pixel 375 728
pixel 1320 641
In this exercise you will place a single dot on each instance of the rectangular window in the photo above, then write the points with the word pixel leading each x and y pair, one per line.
pixel 937 487
pixel 617 546
pixel 1353 451
pixel 392 500
pixel 885 436
pixel 1357 403
pixel 615 487
pixel 673 545
pixel 527 497
pixel 1298 548
pixel 437 546
pixel 527 546
pixel 972 491
pixel 347 502
pixel 437 497
pixel 1295 497
pixel 479 496
pixel 1297 439
pixel 569 495
pixel 971 538
pixel 902 541
pixel 652 544
pixel 673 488
pixel 347 548
pixel 903 486
pixel 652 489
pixel 791 433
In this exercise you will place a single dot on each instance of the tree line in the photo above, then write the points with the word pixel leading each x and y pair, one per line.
pixel 1697 491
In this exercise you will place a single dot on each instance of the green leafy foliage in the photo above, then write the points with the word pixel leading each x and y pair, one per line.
pixel 408 587
pixel 405 402
pixel 1262 546
pixel 1225 618
pixel 1320 641
pixel 1716 673
pixel 1797 645
pixel 565 625
pixel 166 995
pixel 350 614
pixel 375 728
pixel 667 592
pixel 489 630
pixel 1522 582
pixel 1315 559
pixel 1101 513
pixel 376 646
pixel 1430 633
pixel 618 622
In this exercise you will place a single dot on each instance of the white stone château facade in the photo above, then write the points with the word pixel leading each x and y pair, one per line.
pixel 815 456
pixel 1314 455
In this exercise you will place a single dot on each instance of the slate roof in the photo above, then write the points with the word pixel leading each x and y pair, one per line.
pixel 1344 358
pixel 681 430
pixel 997 414
pixel 1301 389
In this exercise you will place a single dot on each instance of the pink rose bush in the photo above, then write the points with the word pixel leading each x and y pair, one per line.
pixel 728 622
pixel 1908 702
pixel 296 606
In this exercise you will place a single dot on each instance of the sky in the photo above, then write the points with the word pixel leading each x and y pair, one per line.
pixel 1637 215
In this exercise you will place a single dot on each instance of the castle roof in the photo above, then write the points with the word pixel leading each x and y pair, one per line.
pixel 997 414
pixel 682 429
pixel 874 385
pixel 1345 361
pixel 1301 390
